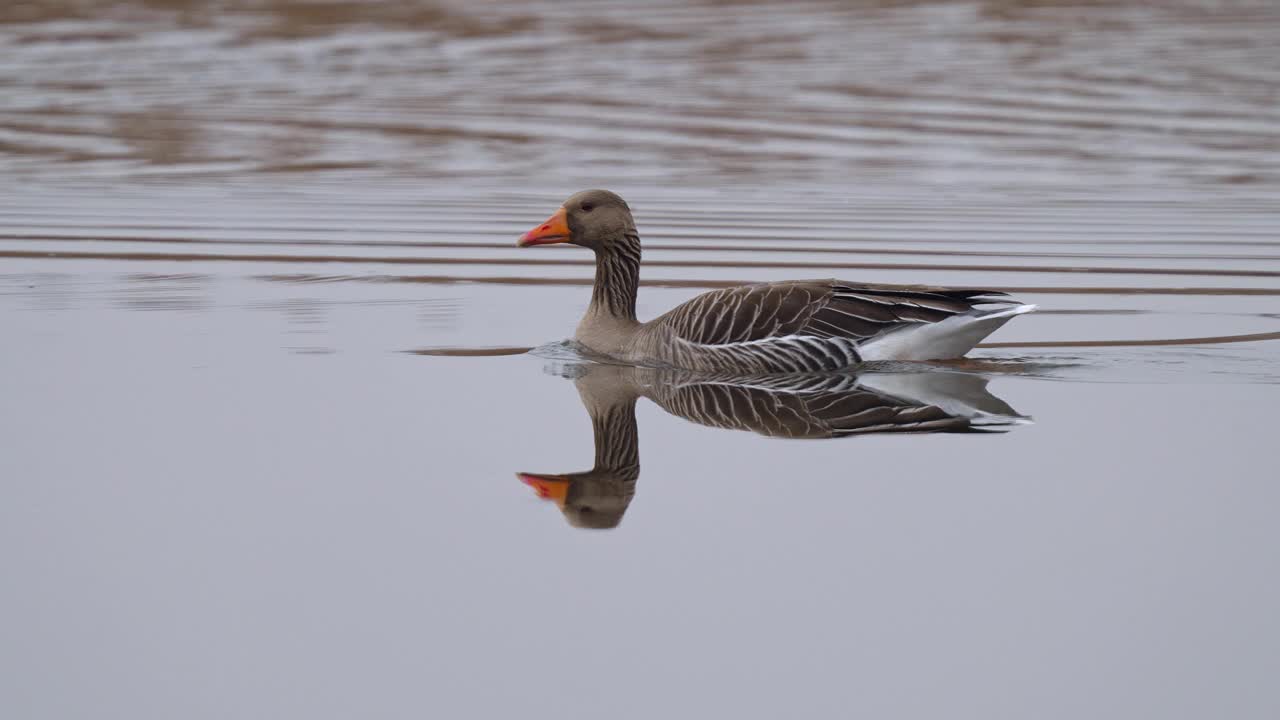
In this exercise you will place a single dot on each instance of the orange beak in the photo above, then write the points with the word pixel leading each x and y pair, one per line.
pixel 548 487
pixel 554 230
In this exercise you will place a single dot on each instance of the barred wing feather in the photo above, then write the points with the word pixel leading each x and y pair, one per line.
pixel 812 325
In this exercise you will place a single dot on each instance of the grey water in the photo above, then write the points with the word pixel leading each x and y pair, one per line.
pixel 273 442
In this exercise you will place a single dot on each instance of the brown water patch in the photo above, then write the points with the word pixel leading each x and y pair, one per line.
pixel 664 247
pixel 712 284
pixel 554 262
pixel 756 92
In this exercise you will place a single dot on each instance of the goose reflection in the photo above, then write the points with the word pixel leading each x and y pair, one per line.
pixel 794 406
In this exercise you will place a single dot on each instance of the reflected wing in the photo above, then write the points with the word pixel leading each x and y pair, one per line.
pixel 825 406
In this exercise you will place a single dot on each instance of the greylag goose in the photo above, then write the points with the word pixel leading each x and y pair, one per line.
pixel 775 327
pixel 787 406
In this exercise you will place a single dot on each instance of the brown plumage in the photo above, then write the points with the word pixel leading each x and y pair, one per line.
pixel 778 327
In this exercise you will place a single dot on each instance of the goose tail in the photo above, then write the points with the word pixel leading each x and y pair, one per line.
pixel 946 339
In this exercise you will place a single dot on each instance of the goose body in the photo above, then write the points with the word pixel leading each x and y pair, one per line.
pixel 792 326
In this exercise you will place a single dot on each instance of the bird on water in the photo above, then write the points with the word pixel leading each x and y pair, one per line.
pixel 792 326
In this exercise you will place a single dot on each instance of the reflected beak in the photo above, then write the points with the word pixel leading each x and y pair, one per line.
pixel 554 230
pixel 548 487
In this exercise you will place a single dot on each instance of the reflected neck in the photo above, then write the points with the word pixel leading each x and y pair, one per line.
pixel 617 279
pixel 617 440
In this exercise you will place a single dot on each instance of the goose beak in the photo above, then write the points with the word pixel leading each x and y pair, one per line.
pixel 554 230
pixel 548 487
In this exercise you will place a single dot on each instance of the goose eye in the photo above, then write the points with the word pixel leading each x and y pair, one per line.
pixel 587 207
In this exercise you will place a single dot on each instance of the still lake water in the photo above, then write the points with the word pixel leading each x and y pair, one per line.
pixel 264 400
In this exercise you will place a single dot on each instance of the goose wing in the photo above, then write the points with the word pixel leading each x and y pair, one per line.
pixel 817 308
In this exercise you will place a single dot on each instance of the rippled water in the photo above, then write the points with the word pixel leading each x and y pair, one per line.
pixel 267 400
pixel 1008 94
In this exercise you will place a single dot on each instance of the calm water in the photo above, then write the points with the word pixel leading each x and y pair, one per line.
pixel 265 405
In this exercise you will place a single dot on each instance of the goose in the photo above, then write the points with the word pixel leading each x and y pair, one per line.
pixel 793 326
pixel 807 406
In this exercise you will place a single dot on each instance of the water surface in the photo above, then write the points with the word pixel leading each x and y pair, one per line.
pixel 266 396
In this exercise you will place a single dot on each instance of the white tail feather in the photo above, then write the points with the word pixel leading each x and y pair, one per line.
pixel 950 338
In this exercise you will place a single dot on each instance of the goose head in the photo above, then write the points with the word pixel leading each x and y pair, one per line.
pixel 596 499
pixel 596 219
